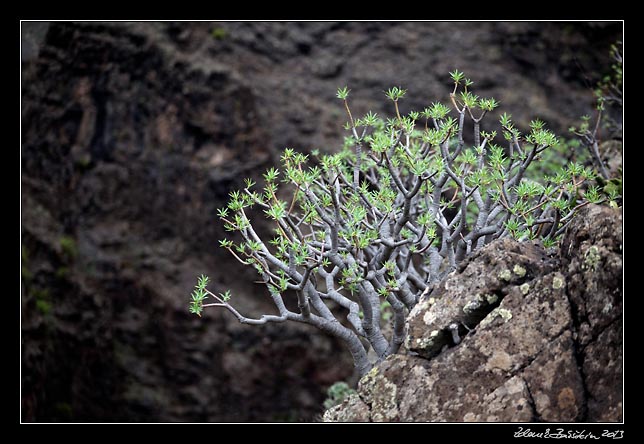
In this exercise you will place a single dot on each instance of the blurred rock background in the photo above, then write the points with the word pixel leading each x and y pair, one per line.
pixel 132 136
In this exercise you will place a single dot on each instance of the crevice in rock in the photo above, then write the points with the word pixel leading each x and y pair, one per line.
pixel 579 350
pixel 575 313
pixel 533 405
pixel 579 356
pixel 474 317
pixel 468 324
pixel 519 370
pixel 465 324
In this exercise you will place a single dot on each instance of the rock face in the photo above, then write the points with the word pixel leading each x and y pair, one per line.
pixel 134 134
pixel 539 337
pixel 128 150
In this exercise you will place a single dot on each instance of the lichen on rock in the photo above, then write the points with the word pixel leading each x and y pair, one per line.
pixel 502 313
pixel 525 288
pixel 591 258
pixel 558 282
pixel 380 394
pixel 353 409
pixel 505 275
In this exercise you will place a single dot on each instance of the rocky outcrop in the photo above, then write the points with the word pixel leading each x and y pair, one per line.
pixel 592 252
pixel 514 334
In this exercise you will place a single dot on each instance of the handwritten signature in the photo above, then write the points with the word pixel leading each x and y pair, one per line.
pixel 567 434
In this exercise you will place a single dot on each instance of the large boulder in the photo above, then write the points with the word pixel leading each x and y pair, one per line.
pixel 539 337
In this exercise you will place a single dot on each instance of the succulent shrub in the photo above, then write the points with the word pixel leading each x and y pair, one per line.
pixel 337 393
pixel 369 229
pixel 609 91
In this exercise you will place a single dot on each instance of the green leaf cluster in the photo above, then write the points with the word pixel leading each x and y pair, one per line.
pixel 199 294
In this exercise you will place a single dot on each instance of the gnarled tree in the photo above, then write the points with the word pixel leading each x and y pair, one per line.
pixel 372 227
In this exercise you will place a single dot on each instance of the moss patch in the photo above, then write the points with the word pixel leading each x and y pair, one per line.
pixel 43 306
pixel 68 246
